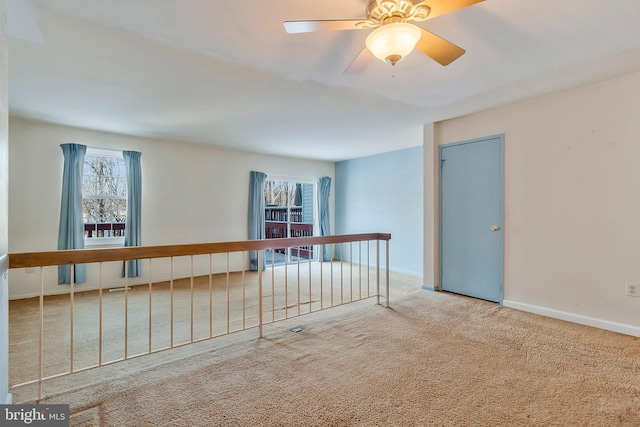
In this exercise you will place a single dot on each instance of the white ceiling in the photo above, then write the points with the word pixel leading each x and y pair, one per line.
pixel 226 73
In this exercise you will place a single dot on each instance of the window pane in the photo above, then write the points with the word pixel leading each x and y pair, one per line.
pixel 104 176
pixel 90 209
pixel 278 193
pixel 122 186
pixel 109 214
pixel 95 210
pixel 120 210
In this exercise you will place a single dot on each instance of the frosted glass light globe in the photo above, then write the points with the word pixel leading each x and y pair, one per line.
pixel 392 42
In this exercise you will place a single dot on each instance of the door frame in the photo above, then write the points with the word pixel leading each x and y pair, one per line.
pixel 501 206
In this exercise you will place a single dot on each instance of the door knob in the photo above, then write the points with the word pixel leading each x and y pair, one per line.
pixel 494 228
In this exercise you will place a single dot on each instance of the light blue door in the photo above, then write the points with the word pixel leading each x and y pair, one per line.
pixel 472 217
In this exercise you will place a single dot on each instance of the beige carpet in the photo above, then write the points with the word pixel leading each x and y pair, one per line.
pixel 434 359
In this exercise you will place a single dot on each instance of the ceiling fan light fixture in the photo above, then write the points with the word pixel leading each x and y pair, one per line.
pixel 394 41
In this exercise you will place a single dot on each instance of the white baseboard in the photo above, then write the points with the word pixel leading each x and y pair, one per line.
pixel 64 291
pixel 575 318
pixel 8 399
pixel 382 267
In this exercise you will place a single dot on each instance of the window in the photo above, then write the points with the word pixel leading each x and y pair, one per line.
pixel 104 197
pixel 289 210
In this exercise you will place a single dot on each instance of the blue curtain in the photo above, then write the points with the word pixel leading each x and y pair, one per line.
pixel 324 189
pixel 256 214
pixel 133 227
pixel 71 229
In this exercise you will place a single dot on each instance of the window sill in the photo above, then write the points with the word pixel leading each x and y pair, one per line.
pixel 103 242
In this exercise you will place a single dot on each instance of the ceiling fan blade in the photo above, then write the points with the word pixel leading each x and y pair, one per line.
pixel 438 49
pixel 440 7
pixel 311 26
pixel 360 63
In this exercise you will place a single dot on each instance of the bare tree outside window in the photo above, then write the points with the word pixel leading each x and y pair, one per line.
pixel 278 193
pixel 104 190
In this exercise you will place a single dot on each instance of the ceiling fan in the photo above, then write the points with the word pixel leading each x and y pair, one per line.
pixel 394 36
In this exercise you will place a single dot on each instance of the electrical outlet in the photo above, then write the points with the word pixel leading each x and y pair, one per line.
pixel 632 289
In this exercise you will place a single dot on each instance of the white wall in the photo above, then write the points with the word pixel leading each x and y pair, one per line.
pixel 191 194
pixel 5 397
pixel 572 200
pixel 383 193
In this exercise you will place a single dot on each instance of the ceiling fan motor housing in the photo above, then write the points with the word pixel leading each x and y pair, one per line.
pixel 380 11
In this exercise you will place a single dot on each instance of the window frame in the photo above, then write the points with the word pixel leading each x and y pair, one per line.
pixel 111 241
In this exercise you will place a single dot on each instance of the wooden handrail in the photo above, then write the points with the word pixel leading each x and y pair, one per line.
pixel 82 256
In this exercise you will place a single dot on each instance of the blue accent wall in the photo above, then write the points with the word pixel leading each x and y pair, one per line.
pixel 384 193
